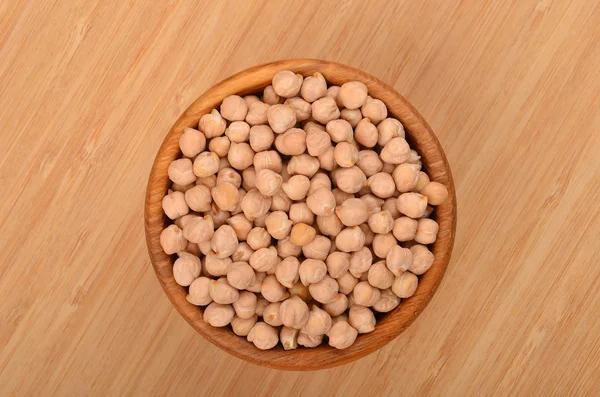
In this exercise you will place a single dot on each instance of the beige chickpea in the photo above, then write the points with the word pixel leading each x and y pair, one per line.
pixel 205 164
pixel 208 181
pixel 245 306
pixel 435 192
pixel 345 154
pixel 388 168
pixel 218 315
pixel 396 151
pixel 414 157
pixel 346 283
pixel 287 272
pixel 319 322
pixel 270 96
pixel 212 124
pixel 268 182
pixel 412 204
pixel 341 196
pixel 181 188
pixel 240 225
pixel 325 110
pixel 294 312
pixel 258 238
pixel 263 336
pixel 184 220
pixel 337 263
pixel 405 228
pixel 362 319
pixel 264 259
pixel 261 138
pixel 199 294
pixel 302 234
pixel 333 92
pixel 242 253
pixel 242 326
pixel 289 338
pixel 382 185
pixel 308 125
pixel 240 275
pixel 406 176
pixel 388 302
pixel 321 202
pixel 399 260
pixel 225 195
pixel 389 129
pixel 342 335
pixel 405 285
pixel 240 156
pixel 269 159
pixel 249 178
pixel 422 259
pixel 255 205
pixel 381 222
pixel 186 269
pixel 303 164
pixel 192 142
pixel 286 249
pixel 261 302
pixel 217 215
pixel 301 291
pixel 281 202
pixel 423 181
pixel 219 145
pixel 204 247
pixel 302 108
pixel 350 180
pixel 369 234
pixel 278 224
pixel 390 206
pixel 365 133
pixel 374 109
pixel 382 244
pixel 340 131
pixel 318 181
pixel 318 248
pixel 350 239
pixel 365 294
pixel 271 314
pixel 224 241
pixel 353 94
pixel 369 162
pixel 300 213
pixel 427 230
pixel 221 292
pixel 337 306
pixel 174 205
pixel 238 132
pixel 313 88
pixel 216 266
pixel 380 276
pixel 329 225
pixel 272 290
pixel 326 159
pixel 352 116
pixel 229 175
pixel 224 163
pixel 181 171
pixel 309 341
pixel 317 142
pixel 250 99
pixel 281 118
pixel 234 108
pixel 352 212
pixel 292 142
pixel 360 262
pixel 286 84
pixel 296 187
pixel 312 271
pixel 325 290
pixel 199 229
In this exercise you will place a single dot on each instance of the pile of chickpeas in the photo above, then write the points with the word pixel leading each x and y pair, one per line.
pixel 299 214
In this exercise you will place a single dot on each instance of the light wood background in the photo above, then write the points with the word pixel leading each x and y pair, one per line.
pixel 89 88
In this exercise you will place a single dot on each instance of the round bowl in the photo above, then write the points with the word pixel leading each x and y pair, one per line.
pixel 421 138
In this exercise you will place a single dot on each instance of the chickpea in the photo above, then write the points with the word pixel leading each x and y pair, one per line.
pixel 204 247
pixel 353 94
pixel 240 225
pixel 381 222
pixel 296 187
pixel 329 225
pixel 181 188
pixel 294 312
pixel 325 110
pixel 224 241
pixel 411 204
pixel 221 292
pixel 321 202
pixel 198 230
pixel 281 202
pixel 255 205
pixel 292 142
pixel 313 88
pixel 365 294
pixel 399 260
pixel 369 235
pixel 345 154
pixel 427 230
pixel 286 249
pixel 435 192
pixel 263 336
pixel 406 176
pixel 352 212
pixel 259 277
pixel 258 238
pixel 245 306
pixel 365 133
pixel 174 205
pixel 302 108
pixel 242 253
pixel 405 228
pixel 264 259
pixel 208 181
pixel 225 195
pixel 320 180
pixel 374 109
pixel 382 244
pixel 268 182
pixel 340 131
pixel 325 290
pixel 388 301
pixel 286 84
pixel 240 156
pixel 333 92
pixel 269 159
pixel 350 180
pixel 240 275
pixel 319 322
pixel 186 269
pixel 327 160
pixel 389 129
pixel 249 178
pixel 180 172
pixel 261 137
pixel 216 266
pixel 396 151
pixel 423 181
pixel 302 234
pixel 422 259
pixel 272 290
pixel 219 145
pixel 271 314
pixel 250 99
pixel 287 272
pixel 289 338
pixel 362 319
pixel 191 142
pixel 300 213
pixel 318 248
pixel 338 263
pixel 346 283
pixel 303 164
pixel 382 185
pixel 342 335
pixel 317 142
pixel 337 306
pixel 242 326
pixel 380 276
pixel 405 285
pixel 309 341
pixel 281 118
pixel 312 271
pixel 234 108
pixel 353 116
pixel 184 220
pixel 199 294
pixel 350 239
pixel 217 215
pixel 270 96
pixel 341 196
pixel 229 175
pixel 278 225
pixel 360 261
pixel 212 124
pixel 218 315
pixel 206 164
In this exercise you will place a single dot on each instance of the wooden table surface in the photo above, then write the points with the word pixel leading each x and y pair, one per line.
pixel 89 88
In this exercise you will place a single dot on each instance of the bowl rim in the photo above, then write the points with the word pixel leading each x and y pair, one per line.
pixel 419 134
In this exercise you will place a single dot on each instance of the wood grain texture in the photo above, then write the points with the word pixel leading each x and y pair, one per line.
pixel 390 325
pixel 88 90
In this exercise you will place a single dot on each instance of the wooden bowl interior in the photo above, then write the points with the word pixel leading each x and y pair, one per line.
pixel 390 325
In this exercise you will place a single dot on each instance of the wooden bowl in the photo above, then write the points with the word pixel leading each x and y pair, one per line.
pixel 390 325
